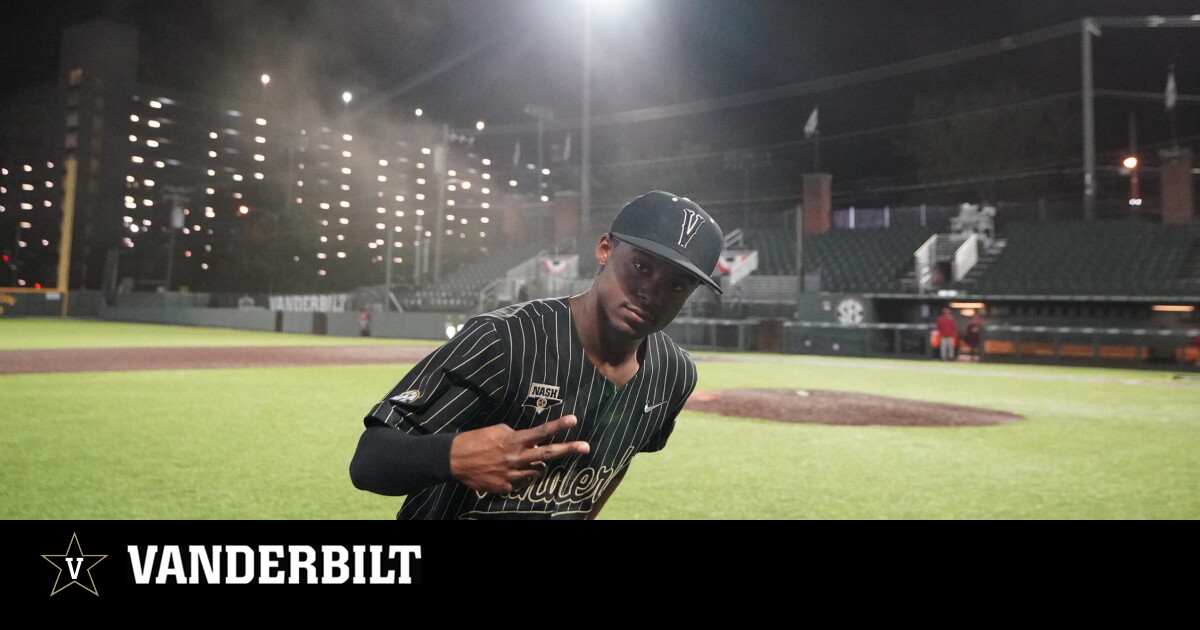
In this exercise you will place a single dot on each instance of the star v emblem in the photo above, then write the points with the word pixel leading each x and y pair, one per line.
pixel 76 566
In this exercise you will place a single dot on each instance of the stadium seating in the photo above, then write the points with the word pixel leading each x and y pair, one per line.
pixel 870 260
pixel 1117 257
pixel 459 291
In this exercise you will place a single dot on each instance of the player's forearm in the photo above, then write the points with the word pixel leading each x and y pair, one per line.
pixel 394 463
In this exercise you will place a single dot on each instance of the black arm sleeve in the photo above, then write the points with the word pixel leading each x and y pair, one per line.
pixel 394 463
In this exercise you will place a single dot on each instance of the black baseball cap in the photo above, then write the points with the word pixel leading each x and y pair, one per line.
pixel 674 228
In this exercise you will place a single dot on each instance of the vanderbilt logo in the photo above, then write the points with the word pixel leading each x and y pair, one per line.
pixel 74 567
pixel 691 226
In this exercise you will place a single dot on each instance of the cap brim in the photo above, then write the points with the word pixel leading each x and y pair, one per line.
pixel 671 256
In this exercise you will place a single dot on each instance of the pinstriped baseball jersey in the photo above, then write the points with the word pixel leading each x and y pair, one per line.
pixel 524 365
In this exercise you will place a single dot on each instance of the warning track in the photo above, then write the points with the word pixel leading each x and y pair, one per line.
pixel 108 359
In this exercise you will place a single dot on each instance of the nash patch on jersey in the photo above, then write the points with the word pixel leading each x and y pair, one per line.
pixel 541 397
pixel 406 397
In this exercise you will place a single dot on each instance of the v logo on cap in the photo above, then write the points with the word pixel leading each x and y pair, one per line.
pixel 691 226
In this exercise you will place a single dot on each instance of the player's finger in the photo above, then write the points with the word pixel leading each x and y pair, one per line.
pixel 539 433
pixel 554 451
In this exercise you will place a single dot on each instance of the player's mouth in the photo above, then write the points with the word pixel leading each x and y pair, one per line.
pixel 642 316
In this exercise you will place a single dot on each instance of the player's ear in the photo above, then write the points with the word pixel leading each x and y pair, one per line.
pixel 604 249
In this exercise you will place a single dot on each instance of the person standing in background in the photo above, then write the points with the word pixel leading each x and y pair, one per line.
pixel 947 330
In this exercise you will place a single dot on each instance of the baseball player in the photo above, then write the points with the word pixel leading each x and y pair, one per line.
pixel 534 411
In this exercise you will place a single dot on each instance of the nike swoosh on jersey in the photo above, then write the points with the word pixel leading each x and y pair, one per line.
pixel 649 406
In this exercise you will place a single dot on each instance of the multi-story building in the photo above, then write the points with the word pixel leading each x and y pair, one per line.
pixel 179 190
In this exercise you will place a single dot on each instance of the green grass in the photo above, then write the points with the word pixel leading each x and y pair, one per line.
pixel 45 334
pixel 275 443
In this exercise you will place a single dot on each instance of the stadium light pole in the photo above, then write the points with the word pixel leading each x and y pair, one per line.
pixel 585 140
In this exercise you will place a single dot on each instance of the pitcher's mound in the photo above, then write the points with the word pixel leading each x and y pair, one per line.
pixel 830 407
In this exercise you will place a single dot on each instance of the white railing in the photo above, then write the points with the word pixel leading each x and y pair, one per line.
pixel 923 264
pixel 965 257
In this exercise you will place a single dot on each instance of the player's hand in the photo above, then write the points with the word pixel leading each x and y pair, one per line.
pixel 498 459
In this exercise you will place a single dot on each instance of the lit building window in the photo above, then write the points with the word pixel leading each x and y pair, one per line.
pixel 420 196
pixel 137 159
pixel 382 178
pixel 259 157
pixel 258 176
pixel 345 186
pixel 344 204
pixel 204 266
pixel 212 135
pixel 212 154
pixel 420 213
pixel 399 197
pixel 486 176
pixel 485 205
pixel 324 239
pixel 26 186
pixel 344 221
pixel 486 162
pixel 237 177
pixel 400 213
pixel 347 137
pixel 341 254
pixel 260 139
pixel 380 226
pixel 452 173
pixel 132 138
pixel 211 173
pixel 483 219
pixel 152 143
pixel 345 170
pixel 130 179
pixel 210 191
pixel 383 162
pixel 420 165
pixel 160 163
pixel 321 256
pixel 449 202
pixel 46 203
pixel 381 210
pixel 261 122
pixel 243 210
pixel 148 182
pixel 153 123
pixel 27 206
pixel 345 154
pixel 421 181
pixel 134 118
pixel 324 205
pixel 155 105
pixel 512 182
pixel 321 272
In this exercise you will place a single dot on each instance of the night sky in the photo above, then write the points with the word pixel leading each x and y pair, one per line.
pixel 464 60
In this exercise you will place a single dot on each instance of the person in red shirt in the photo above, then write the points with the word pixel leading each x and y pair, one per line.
pixel 947 330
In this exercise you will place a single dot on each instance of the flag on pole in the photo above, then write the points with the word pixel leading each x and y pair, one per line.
pixel 517 154
pixel 810 127
pixel 566 154
pixel 1171 95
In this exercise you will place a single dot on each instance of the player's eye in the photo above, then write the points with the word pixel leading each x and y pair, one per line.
pixel 641 266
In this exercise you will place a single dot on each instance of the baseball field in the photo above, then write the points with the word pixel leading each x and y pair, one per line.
pixel 85 440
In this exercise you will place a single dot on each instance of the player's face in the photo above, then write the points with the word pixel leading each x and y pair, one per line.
pixel 639 293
